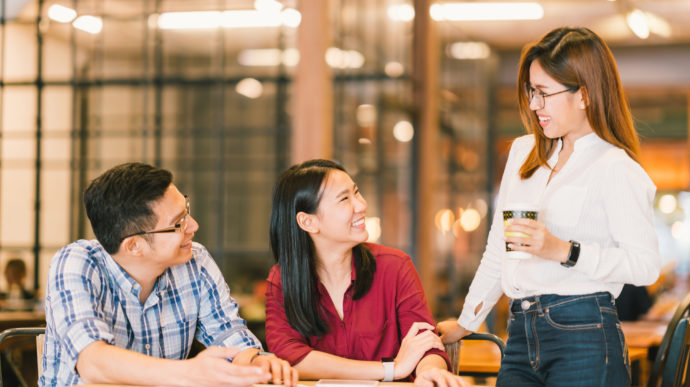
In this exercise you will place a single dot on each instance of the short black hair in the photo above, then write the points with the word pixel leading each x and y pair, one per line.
pixel 118 202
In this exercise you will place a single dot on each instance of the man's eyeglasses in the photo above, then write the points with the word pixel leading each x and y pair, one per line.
pixel 540 97
pixel 178 227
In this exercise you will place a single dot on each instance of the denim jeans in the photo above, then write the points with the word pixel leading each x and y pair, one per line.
pixel 565 341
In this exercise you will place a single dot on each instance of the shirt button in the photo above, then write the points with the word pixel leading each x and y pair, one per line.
pixel 525 305
pixel 148 346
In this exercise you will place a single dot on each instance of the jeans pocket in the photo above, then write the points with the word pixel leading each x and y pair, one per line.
pixel 574 314
pixel 624 348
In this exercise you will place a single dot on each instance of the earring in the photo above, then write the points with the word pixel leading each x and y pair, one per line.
pixel 582 105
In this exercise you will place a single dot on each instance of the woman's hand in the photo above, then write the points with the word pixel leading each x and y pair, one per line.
pixel 451 331
pixel 281 371
pixel 539 241
pixel 434 376
pixel 414 345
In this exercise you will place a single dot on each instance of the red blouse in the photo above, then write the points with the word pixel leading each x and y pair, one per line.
pixel 372 327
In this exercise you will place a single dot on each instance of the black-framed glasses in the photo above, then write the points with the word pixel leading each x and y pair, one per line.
pixel 178 227
pixel 540 97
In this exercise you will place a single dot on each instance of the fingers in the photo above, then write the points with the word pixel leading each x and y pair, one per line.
pixel 418 326
pixel 227 353
pixel 294 376
pixel 440 378
pixel 280 370
pixel 245 380
pixel 242 375
pixel 424 342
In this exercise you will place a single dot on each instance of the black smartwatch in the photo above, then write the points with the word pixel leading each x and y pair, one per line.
pixel 573 255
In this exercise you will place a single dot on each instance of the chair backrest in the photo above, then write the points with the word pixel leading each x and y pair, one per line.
pixel 658 374
pixel 14 332
pixel 677 356
pixel 39 352
pixel 453 349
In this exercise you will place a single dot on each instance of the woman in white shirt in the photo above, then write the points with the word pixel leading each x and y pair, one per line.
pixel 594 232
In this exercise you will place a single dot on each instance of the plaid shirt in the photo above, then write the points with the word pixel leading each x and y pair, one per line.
pixel 90 297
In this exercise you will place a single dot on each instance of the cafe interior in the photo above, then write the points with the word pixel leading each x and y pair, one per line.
pixel 415 98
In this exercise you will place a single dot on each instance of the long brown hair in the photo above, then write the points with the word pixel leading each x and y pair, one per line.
pixel 578 59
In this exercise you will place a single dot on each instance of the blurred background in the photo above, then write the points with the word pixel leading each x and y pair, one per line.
pixel 417 99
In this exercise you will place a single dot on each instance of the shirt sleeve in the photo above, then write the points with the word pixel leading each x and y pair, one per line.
pixel 72 302
pixel 411 305
pixel 219 321
pixel 281 338
pixel 486 289
pixel 633 257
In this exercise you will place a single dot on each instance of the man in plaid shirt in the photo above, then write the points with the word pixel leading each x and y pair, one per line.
pixel 126 307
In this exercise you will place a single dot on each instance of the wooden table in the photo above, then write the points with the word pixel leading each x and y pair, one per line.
pixel 643 334
pixel 308 383
pixel 640 336
pixel 12 319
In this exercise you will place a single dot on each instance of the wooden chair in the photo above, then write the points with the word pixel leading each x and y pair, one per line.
pixel 14 333
pixel 453 351
pixel 671 363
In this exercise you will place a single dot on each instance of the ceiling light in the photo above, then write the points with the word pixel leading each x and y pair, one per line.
pixel 403 131
pixel 401 12
pixel 250 88
pixel 61 14
pixel 189 20
pixel 637 21
pixel 394 69
pixel 267 5
pixel 88 23
pixel 228 19
pixel 486 11
pixel 268 57
pixel 469 50
pixel 291 18
pixel 658 25
pixel 343 59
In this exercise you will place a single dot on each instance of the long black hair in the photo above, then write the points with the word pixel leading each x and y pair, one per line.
pixel 299 189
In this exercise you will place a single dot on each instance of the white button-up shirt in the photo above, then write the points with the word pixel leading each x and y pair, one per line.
pixel 601 198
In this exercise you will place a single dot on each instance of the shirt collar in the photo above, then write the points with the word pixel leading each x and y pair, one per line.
pixel 586 141
pixel 125 282
pixel 581 144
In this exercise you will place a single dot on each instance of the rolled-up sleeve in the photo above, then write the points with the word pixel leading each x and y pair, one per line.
pixel 219 321
pixel 72 300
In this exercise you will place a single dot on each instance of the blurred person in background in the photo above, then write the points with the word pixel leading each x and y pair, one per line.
pixel 17 295
pixel 579 165
pixel 337 307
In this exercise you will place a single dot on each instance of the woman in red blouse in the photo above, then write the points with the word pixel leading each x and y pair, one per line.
pixel 337 307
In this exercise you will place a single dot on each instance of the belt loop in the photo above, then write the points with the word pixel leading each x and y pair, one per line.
pixel 538 302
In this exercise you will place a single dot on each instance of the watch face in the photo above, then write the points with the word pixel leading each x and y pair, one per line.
pixel 388 359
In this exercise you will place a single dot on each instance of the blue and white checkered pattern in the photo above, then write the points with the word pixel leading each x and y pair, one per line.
pixel 90 297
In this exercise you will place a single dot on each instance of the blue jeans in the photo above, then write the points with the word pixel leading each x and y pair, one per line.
pixel 565 341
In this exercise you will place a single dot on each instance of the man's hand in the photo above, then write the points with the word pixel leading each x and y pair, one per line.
pixel 212 368
pixel 281 371
pixel 451 331
pixel 414 345
pixel 434 376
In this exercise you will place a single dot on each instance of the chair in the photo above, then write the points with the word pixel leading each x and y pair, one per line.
pixel 671 363
pixel 453 351
pixel 12 334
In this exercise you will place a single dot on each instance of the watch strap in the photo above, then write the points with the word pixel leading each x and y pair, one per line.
pixel 388 369
pixel 573 254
